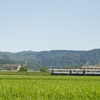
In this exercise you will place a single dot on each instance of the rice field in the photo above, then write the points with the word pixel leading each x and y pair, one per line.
pixel 49 87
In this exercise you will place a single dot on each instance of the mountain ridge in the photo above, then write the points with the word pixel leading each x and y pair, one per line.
pixel 54 58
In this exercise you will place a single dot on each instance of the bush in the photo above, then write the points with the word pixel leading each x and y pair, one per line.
pixel 44 69
pixel 23 69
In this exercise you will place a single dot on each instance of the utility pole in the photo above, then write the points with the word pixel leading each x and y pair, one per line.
pixel 26 67
pixel 87 64
pixel 99 62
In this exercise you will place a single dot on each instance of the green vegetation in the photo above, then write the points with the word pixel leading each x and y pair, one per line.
pixel 44 69
pixel 49 88
pixel 23 69
pixel 24 73
pixel 53 58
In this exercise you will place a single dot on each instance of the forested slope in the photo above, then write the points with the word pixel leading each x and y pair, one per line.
pixel 53 58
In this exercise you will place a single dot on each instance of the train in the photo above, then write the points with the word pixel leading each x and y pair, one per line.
pixel 63 71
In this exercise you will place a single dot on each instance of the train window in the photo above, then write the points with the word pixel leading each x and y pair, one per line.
pixel 87 71
pixel 74 70
pixel 57 70
pixel 79 71
pixel 61 70
pixel 95 71
pixel 65 71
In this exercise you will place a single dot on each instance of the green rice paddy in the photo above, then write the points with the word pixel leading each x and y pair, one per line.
pixel 21 87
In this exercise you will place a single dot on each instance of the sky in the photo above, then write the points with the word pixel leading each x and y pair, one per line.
pixel 44 25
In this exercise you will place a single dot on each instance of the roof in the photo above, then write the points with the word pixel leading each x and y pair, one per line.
pixel 91 67
pixel 10 65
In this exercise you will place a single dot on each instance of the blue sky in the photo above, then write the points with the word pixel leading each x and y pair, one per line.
pixel 42 25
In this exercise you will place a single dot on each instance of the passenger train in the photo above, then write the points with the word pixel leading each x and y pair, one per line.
pixel 58 71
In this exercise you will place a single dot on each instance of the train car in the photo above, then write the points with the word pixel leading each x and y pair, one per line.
pixel 58 71
pixel 92 72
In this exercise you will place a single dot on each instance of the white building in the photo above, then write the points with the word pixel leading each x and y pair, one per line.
pixel 11 67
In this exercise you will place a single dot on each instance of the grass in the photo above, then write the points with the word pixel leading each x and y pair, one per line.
pixel 23 73
pixel 49 87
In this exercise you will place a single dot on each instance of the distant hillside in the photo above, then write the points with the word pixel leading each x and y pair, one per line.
pixel 53 58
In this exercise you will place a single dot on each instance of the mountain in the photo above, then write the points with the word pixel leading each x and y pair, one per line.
pixel 53 58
